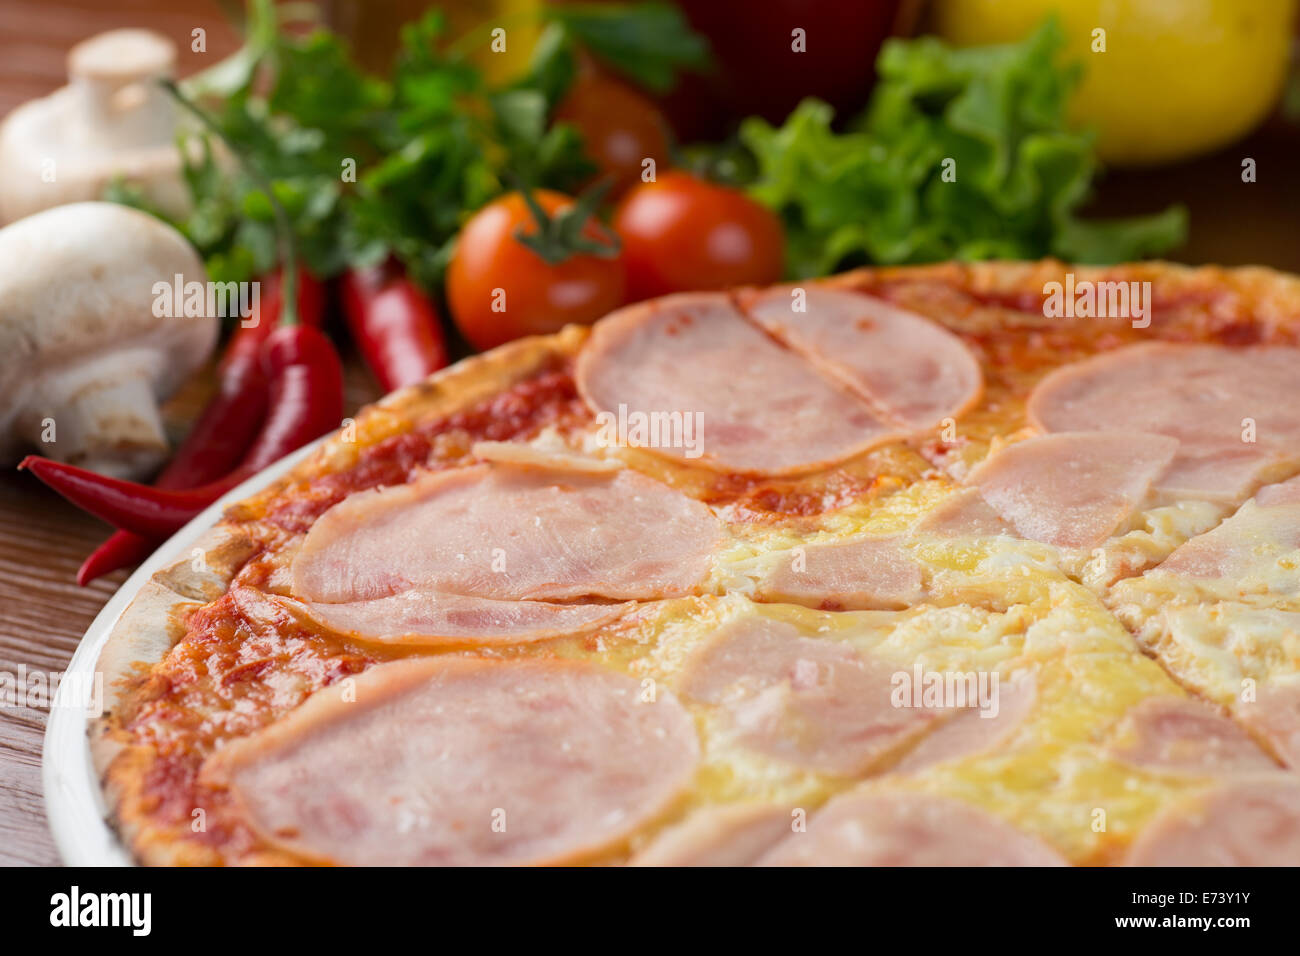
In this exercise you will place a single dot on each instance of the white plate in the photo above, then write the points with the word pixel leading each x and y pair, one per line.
pixel 73 803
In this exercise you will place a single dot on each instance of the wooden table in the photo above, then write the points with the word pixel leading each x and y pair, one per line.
pixel 42 540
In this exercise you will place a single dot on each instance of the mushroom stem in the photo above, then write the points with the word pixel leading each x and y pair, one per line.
pixel 102 415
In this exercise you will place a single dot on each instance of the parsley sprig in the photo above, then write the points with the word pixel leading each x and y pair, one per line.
pixel 366 167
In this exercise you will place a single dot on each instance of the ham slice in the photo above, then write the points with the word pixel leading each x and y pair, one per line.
pixel 1282 493
pixel 1223 474
pixel 1274 715
pixel 1201 395
pixel 1184 736
pixel 908 829
pixel 817 705
pixel 1257 542
pixel 914 370
pixel 734 835
pixel 429 619
pixel 861 574
pixel 963 514
pixel 761 408
pixel 510 532
pixel 972 731
pixel 1072 490
pixel 1246 823
pixel 463 761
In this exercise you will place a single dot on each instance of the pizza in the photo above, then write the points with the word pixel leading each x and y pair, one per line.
pixel 907 566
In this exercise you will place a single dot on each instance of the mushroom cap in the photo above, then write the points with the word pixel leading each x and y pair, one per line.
pixel 122 56
pixel 111 120
pixel 77 284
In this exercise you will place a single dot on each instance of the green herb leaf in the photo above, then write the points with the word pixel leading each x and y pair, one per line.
pixel 646 42
pixel 553 65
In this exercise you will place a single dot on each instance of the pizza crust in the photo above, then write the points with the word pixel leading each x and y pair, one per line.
pixel 1271 296
pixel 154 621
pixel 149 627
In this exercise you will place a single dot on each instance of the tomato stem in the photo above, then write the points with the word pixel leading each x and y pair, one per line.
pixel 568 233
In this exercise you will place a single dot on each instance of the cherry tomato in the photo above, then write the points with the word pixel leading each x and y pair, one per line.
pixel 683 233
pixel 499 289
pixel 620 128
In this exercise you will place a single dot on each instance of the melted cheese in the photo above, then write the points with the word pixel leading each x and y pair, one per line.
pixel 994 604
pixel 1052 778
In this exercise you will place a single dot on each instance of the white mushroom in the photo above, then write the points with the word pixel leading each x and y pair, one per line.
pixel 84 359
pixel 112 119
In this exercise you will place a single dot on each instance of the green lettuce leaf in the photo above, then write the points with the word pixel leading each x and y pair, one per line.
pixel 961 153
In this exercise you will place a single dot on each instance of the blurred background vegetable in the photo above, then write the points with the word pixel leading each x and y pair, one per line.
pixel 682 233
pixel 622 131
pixel 760 67
pixel 1166 79
pixel 88 353
pixel 394 325
pixel 528 271
pixel 959 154
pixel 111 119
pixel 304 401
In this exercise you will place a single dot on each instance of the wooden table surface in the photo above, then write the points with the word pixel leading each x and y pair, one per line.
pixel 43 540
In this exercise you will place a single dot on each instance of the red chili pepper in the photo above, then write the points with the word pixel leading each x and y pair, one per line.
pixel 394 324
pixel 229 423
pixel 142 509
pixel 119 550
pixel 306 401
pixel 306 397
